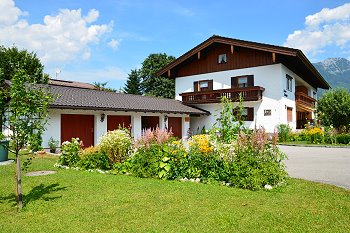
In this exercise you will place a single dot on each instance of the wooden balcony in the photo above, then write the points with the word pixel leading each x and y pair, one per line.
pixel 305 101
pixel 214 96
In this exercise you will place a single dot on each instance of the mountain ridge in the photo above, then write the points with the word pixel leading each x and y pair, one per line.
pixel 336 71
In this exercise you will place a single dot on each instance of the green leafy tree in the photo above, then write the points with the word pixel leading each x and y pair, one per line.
pixel 26 113
pixel 333 108
pixel 153 85
pixel 133 83
pixel 12 59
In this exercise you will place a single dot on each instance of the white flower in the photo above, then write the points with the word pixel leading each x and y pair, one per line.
pixel 198 180
pixel 268 187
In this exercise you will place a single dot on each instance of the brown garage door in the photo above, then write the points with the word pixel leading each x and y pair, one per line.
pixel 113 122
pixel 175 124
pixel 149 122
pixel 78 126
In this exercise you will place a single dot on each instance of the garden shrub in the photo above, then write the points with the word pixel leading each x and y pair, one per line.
pixel 146 161
pixel 152 148
pixel 343 138
pixel 257 162
pixel 70 152
pixel 316 135
pixel 284 131
pixel 116 144
pixel 93 158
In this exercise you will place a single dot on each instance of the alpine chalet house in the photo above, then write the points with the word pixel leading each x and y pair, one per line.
pixel 278 84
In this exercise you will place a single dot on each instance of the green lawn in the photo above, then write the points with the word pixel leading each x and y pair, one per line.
pixel 76 201
pixel 307 143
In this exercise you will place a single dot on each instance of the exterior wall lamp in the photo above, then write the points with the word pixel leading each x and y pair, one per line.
pixel 103 116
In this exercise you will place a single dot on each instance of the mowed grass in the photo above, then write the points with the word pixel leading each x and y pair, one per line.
pixel 77 201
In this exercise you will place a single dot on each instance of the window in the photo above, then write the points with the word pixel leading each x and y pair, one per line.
pixel 267 112
pixel 289 82
pixel 289 114
pixel 203 85
pixel 314 95
pixel 242 81
pixel 222 59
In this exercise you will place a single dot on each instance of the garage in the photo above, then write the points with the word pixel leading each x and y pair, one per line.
pixel 175 124
pixel 149 122
pixel 113 122
pixel 78 126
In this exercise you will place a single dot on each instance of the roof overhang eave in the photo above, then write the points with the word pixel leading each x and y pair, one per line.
pixel 125 109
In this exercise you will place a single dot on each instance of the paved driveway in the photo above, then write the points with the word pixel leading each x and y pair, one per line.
pixel 325 165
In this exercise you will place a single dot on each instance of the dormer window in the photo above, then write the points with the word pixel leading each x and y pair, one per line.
pixel 222 58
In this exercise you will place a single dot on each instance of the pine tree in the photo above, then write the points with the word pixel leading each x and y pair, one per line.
pixel 133 83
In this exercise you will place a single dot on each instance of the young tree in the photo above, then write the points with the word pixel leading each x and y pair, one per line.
pixel 157 86
pixel 26 113
pixel 333 108
pixel 133 83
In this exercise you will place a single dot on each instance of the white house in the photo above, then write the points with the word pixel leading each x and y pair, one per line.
pixel 278 84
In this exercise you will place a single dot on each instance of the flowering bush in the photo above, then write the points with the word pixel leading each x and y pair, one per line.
pixel 258 161
pixel 70 152
pixel 116 144
pixel 93 158
pixel 202 142
pixel 149 136
pixel 312 134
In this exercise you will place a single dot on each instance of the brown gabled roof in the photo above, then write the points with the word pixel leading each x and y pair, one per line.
pixel 71 83
pixel 290 57
pixel 82 98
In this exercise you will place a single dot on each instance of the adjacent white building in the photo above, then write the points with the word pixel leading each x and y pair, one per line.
pixel 278 84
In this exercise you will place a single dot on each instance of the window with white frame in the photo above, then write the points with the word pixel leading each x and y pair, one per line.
pixel 222 58
pixel 289 84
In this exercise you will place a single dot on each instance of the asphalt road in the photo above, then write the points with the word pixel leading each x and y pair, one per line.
pixel 320 164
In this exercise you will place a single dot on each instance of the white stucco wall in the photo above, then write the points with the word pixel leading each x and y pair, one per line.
pixel 53 127
pixel 276 97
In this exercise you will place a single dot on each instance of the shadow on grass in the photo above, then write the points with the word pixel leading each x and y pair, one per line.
pixel 37 193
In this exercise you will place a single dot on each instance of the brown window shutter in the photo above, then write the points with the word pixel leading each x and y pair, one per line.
pixel 210 85
pixel 250 79
pixel 250 114
pixel 196 86
pixel 234 82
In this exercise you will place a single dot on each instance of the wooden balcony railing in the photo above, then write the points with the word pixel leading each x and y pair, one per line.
pixel 304 100
pixel 214 96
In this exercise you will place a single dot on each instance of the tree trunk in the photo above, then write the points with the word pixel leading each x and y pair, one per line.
pixel 19 182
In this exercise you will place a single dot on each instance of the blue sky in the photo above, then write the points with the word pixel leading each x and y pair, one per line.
pixel 99 41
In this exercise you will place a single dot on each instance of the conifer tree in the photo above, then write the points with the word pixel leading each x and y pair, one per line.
pixel 133 83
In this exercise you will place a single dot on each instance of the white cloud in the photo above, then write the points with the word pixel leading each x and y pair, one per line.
pixel 329 27
pixel 60 38
pixel 114 44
